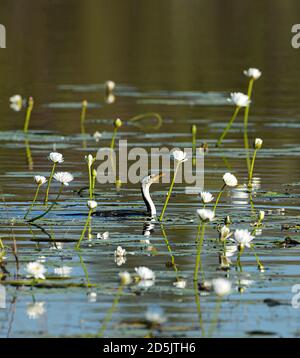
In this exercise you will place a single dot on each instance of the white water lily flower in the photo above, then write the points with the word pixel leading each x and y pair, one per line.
pixel 221 286
pixel 40 180
pixel 243 238
pixel 180 284
pixel 254 73
pixel 206 214
pixel 16 98
pixel 230 179
pixel 155 315
pixel 92 297
pixel 63 177
pixel 16 102
pixel 225 233
pixel 56 157
pixel 92 204
pixel 239 99
pixel 258 143
pixel 145 273
pixel 36 270
pixel 35 310
pixel 63 271
pixel 120 252
pixel 110 86
pixel 89 159
pixel 97 135
pixel 179 156
pixel 104 236
pixel 206 197
pixel 125 278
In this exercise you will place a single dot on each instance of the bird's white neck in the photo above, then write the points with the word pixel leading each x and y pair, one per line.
pixel 148 201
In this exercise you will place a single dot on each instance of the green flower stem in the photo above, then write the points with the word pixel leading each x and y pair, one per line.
pixel 252 168
pixel 50 208
pixel 84 229
pixel 48 186
pixel 33 202
pixel 169 192
pixel 82 116
pixel 194 134
pixel 246 116
pixel 93 184
pixel 112 144
pixel 110 312
pixel 1 245
pixel 199 249
pixel 170 251
pixel 198 305
pixel 259 264
pixel 235 113
pixel 90 181
pixel 239 264
pixel 218 198
pixel 28 114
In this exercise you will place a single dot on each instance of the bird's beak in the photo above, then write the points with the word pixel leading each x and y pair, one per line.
pixel 157 177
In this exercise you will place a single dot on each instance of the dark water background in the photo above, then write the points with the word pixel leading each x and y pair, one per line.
pixel 147 47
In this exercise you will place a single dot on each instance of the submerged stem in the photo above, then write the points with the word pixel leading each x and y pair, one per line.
pixel 169 193
pixel 223 135
pixel 33 202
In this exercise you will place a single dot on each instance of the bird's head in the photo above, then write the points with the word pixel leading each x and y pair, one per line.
pixel 152 178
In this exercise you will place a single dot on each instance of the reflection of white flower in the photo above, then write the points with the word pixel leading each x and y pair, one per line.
pixel 231 250
pixel 63 271
pixel 97 135
pixel 230 179
pixel 179 156
pixel 180 283
pixel 206 197
pixel 92 204
pixel 243 238
pixel 120 260
pixel 252 73
pixel 125 277
pixel 35 310
pixel 57 246
pixel 145 273
pixel 36 270
pixel 63 177
pixel 145 283
pixel 56 157
pixel 92 297
pixel 239 99
pixel 221 286
pixel 120 252
pixel 206 214
pixel 155 315
pixel 104 236
pixel 40 180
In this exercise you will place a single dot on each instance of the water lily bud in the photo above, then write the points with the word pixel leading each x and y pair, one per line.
pixel 230 179
pixel 92 204
pixel 194 129
pixel 118 123
pixel 110 86
pixel 261 215
pixel 84 103
pixel 258 143
pixel 90 160
pixel 94 173
pixel 125 278
pixel 228 220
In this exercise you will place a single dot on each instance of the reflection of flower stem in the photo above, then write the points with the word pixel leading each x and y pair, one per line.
pixel 170 251
pixel 28 114
pixel 218 198
pixel 85 271
pixel 197 300
pixel 246 116
pixel 169 192
pixel 239 264
pixel 199 249
pixel 28 154
pixel 51 206
pixel 228 126
pixel 216 316
pixel 110 312
pixel 252 168
pixel 144 115
pixel 82 120
pixel 33 202
pixel 48 185
pixel 84 229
